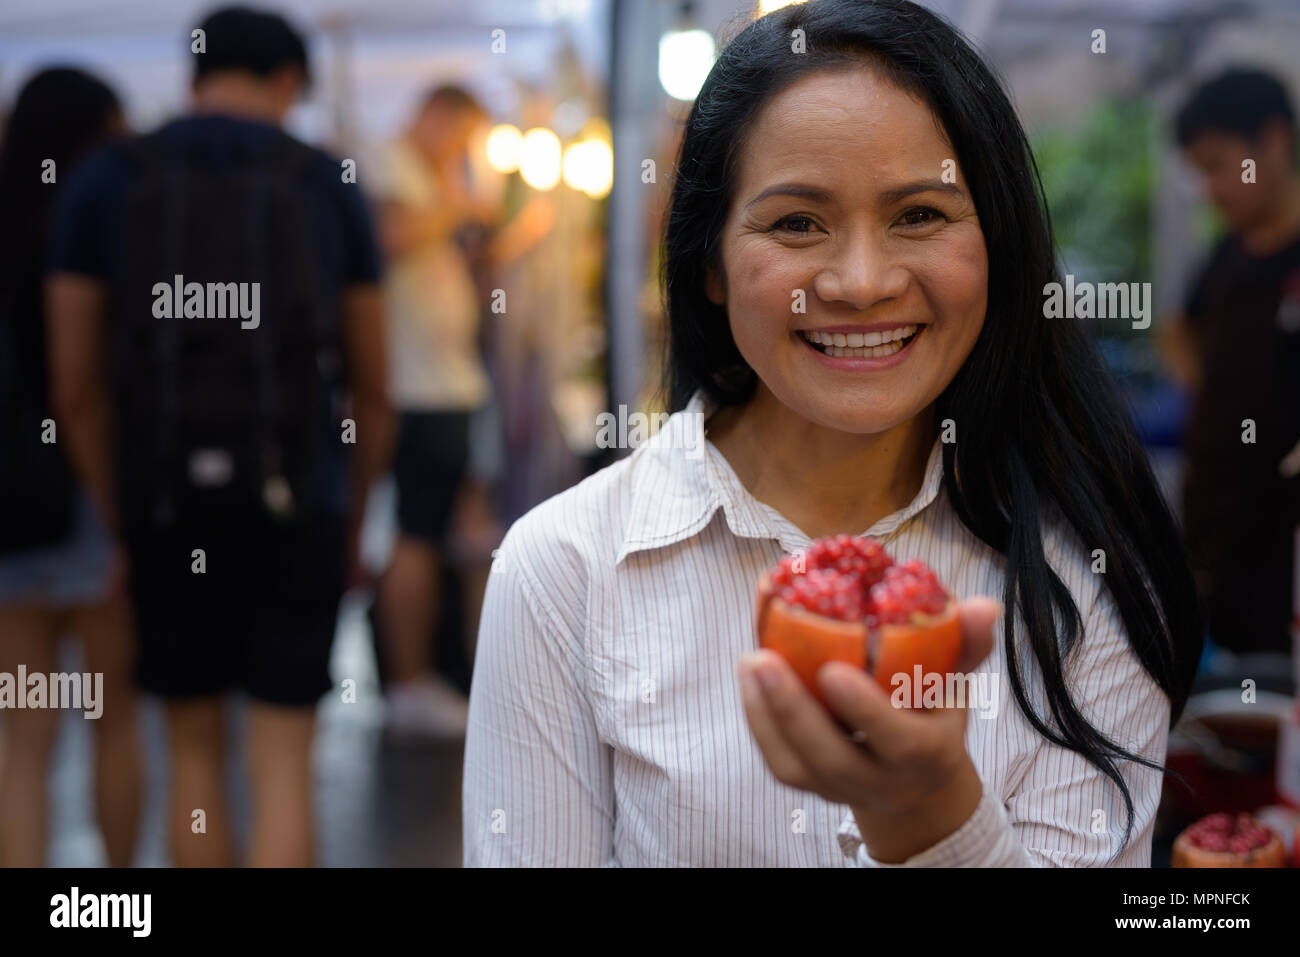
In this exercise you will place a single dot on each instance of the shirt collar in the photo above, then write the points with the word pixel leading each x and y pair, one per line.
pixel 681 480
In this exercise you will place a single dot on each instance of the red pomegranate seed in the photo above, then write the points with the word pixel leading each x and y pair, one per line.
pixel 854 579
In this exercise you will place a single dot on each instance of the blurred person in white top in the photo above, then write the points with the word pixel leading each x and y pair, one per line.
pixel 438 380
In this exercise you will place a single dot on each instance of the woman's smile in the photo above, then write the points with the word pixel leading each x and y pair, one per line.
pixel 861 348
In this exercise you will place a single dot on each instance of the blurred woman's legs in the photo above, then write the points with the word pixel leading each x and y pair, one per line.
pixel 429 467
pixel 197 749
pixel 45 594
pixel 279 756
pixel 28 636
pixel 106 636
pixel 408 606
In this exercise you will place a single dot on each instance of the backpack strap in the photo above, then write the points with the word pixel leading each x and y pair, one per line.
pixel 152 155
pixel 256 257
pixel 293 160
pixel 290 161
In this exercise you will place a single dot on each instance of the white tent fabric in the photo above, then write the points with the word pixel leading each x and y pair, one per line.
pixel 371 59
pixel 27 18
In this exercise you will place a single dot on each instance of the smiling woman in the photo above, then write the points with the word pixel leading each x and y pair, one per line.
pixel 855 252
pixel 877 255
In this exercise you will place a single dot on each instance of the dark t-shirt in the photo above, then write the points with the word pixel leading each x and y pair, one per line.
pixel 1240 513
pixel 88 225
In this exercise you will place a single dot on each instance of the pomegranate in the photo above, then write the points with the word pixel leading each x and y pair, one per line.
pixel 1227 840
pixel 844 599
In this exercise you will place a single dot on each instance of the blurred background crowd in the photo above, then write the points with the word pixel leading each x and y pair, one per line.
pixel 489 181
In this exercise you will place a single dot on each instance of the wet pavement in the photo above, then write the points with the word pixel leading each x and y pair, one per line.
pixel 379 803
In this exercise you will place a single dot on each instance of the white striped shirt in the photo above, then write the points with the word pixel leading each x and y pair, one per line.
pixel 606 727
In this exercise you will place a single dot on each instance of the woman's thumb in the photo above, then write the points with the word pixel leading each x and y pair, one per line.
pixel 979 616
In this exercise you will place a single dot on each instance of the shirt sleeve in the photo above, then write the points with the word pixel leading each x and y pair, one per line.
pixel 80 233
pixel 395 177
pixel 363 262
pixel 538 785
pixel 1064 812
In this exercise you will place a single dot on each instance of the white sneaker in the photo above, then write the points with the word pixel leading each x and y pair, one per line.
pixel 427 707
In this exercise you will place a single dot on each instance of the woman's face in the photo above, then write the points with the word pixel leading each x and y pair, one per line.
pixel 841 210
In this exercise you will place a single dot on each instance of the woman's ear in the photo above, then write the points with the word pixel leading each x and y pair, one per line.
pixel 713 287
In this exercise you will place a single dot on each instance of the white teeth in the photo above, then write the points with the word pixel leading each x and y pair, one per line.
pixel 867 352
pixel 856 345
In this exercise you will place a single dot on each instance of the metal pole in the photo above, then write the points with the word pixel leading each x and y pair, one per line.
pixel 632 98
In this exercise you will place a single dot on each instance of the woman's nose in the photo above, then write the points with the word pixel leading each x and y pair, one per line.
pixel 859 272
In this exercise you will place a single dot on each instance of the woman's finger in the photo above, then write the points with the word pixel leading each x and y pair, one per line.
pixel 836 767
pixel 865 707
pixel 786 764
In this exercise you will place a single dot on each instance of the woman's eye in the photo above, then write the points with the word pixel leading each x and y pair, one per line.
pixel 793 224
pixel 922 216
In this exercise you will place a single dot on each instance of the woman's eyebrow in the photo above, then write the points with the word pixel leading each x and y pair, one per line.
pixel 888 197
pixel 792 189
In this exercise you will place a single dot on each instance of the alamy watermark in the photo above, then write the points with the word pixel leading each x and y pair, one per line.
pixel 977 690
pixel 214 300
pixel 61 689
pixel 131 912
pixel 628 430
pixel 1104 300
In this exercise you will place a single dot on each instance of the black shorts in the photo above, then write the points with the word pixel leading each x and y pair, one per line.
pixel 260 618
pixel 432 456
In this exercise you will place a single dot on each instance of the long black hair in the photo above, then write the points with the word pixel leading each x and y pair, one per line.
pixel 60 114
pixel 1042 423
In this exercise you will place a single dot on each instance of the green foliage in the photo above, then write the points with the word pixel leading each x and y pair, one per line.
pixel 1099 182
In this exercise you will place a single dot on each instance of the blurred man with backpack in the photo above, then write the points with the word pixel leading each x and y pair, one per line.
pixel 214 302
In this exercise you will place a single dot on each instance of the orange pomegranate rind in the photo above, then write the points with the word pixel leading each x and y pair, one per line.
pixel 935 645
pixel 807 641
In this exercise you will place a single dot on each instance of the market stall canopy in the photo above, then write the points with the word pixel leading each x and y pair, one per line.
pixel 378 53
pixel 64 17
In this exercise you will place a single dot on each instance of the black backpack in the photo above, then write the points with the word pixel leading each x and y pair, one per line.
pixel 212 418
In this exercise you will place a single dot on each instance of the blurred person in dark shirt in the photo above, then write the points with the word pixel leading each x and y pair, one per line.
pixel 1236 346
pixel 218 443
pixel 55 556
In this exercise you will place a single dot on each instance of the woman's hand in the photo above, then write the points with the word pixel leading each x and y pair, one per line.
pixel 911 782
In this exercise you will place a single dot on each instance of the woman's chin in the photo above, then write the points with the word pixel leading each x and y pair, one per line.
pixel 850 417
pixel 862 410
